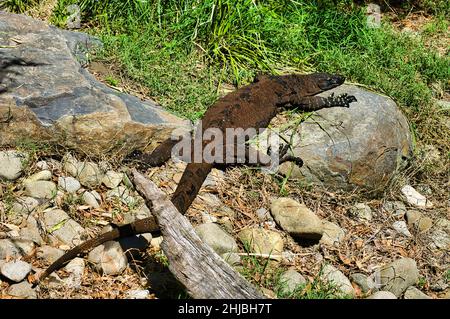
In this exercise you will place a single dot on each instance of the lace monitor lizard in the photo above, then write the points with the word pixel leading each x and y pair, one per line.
pixel 252 106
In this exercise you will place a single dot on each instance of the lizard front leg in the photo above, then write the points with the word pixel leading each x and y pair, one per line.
pixel 313 103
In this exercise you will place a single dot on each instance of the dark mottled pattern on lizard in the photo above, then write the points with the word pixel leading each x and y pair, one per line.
pixel 252 106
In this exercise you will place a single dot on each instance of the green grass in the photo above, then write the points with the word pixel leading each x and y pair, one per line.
pixel 182 50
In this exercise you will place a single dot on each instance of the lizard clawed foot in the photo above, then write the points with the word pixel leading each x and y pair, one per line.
pixel 342 100
pixel 282 150
pixel 290 158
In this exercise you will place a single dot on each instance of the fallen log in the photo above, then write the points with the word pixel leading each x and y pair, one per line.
pixel 203 273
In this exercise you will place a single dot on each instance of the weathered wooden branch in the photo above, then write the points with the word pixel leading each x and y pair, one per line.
pixel 192 262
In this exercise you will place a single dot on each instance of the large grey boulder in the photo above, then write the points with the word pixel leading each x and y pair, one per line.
pixel 60 101
pixel 359 146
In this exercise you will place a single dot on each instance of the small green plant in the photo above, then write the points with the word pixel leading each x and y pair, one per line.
pixel 18 6
pixel 111 80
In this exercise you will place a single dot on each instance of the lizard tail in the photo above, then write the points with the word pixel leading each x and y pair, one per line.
pixel 192 180
pixel 138 227
pixel 74 252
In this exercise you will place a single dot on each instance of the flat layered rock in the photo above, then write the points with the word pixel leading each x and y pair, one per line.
pixel 60 101
pixel 359 146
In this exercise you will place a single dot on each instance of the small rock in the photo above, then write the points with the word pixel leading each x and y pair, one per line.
pixel 90 199
pixel 414 293
pixel 42 165
pixel 211 200
pixel 112 179
pixel 425 224
pixel 213 179
pixel 8 249
pixel 11 164
pixel 440 239
pixel 49 254
pixel 45 175
pixel 334 276
pixel 71 165
pixel 262 241
pixel 15 270
pixel 397 276
pixel 416 219
pixel 382 295
pixel 25 205
pixel 361 211
pixel 263 214
pixel 207 218
pixel 332 233
pixel 41 189
pixel 60 225
pixel 26 246
pixel 233 259
pixel 295 218
pixel 89 174
pixel 415 198
pixel 216 238
pixel 137 294
pixel 142 212
pixel 364 282
pixel 401 227
pixel 22 290
pixel 290 280
pixel 439 285
pixel 31 232
pixel 76 269
pixel 109 258
pixel 121 193
pixel 444 224
pixel 69 184
pixel 413 216
pixel 156 242
pixel 395 208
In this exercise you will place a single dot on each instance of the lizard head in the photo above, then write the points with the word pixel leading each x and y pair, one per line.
pixel 326 81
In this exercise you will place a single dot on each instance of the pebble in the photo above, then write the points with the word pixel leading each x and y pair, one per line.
pixel 41 189
pixel 109 258
pixel 395 208
pixel 415 198
pixel 397 276
pixel 22 290
pixel 44 175
pixel 414 293
pixel 65 229
pixel 122 193
pixel 15 270
pixel 332 233
pixel 216 238
pixel 89 174
pixel 138 294
pixel 295 218
pixel 361 211
pixel 112 179
pixel 11 164
pixel 69 184
pixel 440 239
pixel 8 249
pixel 290 280
pixel 233 259
pixel 401 227
pixel 76 269
pixel 90 199
pixel 49 254
pixel 364 282
pixel 334 276
pixel 262 241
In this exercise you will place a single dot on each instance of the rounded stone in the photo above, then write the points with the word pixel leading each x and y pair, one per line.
pixel 360 146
